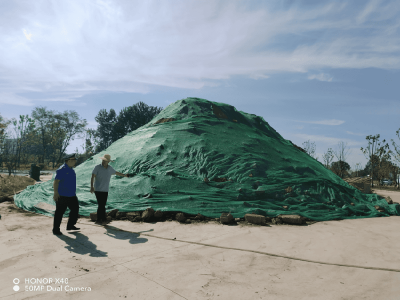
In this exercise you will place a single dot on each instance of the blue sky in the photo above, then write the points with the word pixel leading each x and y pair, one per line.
pixel 324 71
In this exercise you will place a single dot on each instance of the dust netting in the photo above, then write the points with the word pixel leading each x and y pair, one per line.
pixel 199 156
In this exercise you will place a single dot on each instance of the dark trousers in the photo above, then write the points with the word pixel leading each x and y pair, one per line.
pixel 61 206
pixel 101 201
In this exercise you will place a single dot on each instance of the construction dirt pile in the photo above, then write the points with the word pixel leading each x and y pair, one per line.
pixel 204 157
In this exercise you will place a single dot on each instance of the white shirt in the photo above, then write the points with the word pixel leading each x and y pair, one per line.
pixel 102 179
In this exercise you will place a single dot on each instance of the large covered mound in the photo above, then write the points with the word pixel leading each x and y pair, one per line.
pixel 199 156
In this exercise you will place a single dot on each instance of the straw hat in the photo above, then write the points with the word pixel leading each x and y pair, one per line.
pixel 107 157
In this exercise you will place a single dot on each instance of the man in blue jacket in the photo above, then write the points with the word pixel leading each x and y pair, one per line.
pixel 65 195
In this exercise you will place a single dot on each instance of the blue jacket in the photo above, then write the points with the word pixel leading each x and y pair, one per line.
pixel 67 177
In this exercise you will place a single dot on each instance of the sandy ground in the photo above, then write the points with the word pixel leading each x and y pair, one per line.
pixel 347 259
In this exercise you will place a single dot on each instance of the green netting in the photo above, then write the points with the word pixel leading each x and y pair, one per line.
pixel 248 164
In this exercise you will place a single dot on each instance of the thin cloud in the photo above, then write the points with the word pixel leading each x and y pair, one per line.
pixel 131 45
pixel 370 7
pixel 352 133
pixel 321 77
pixel 28 36
pixel 332 122
pixel 13 99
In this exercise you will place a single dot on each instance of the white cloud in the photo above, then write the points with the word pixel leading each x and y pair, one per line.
pixel 352 133
pixel 28 36
pixel 131 45
pixel 258 76
pixel 321 77
pixel 13 99
pixel 332 122
pixel 371 7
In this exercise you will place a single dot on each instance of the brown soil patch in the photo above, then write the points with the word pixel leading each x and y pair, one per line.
pixel 9 185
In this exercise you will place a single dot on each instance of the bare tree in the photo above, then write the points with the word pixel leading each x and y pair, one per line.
pixel 310 148
pixel 396 155
pixel 327 157
pixel 357 168
pixel 341 156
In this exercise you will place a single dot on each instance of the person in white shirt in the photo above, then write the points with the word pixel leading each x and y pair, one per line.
pixel 101 175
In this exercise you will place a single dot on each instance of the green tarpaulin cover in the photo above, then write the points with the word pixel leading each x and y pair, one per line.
pixel 200 156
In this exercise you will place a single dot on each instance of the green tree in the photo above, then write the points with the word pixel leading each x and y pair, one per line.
pixel 44 120
pixel 21 129
pixel 57 135
pixel 371 164
pixel 112 127
pixel 133 117
pixel 92 141
pixel 375 152
pixel 3 135
pixel 57 130
pixel 387 170
pixel 104 129
pixel 9 152
pixel 341 156
pixel 340 168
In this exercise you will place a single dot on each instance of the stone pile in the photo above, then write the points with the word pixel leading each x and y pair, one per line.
pixel 149 215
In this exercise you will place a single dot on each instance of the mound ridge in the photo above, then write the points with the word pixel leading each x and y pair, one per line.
pixel 200 156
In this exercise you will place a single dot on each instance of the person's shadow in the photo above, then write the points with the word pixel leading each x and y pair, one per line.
pixel 82 245
pixel 125 235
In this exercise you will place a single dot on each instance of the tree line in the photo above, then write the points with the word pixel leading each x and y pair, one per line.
pixel 43 137
pixel 380 165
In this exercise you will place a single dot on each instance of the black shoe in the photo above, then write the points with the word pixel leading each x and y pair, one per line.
pixel 72 228
pixel 57 232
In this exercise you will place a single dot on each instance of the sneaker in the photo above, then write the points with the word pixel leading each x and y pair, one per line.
pixel 57 232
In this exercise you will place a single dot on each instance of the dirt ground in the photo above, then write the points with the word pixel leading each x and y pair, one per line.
pixel 346 259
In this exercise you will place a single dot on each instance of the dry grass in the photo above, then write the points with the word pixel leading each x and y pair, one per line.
pixel 9 185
